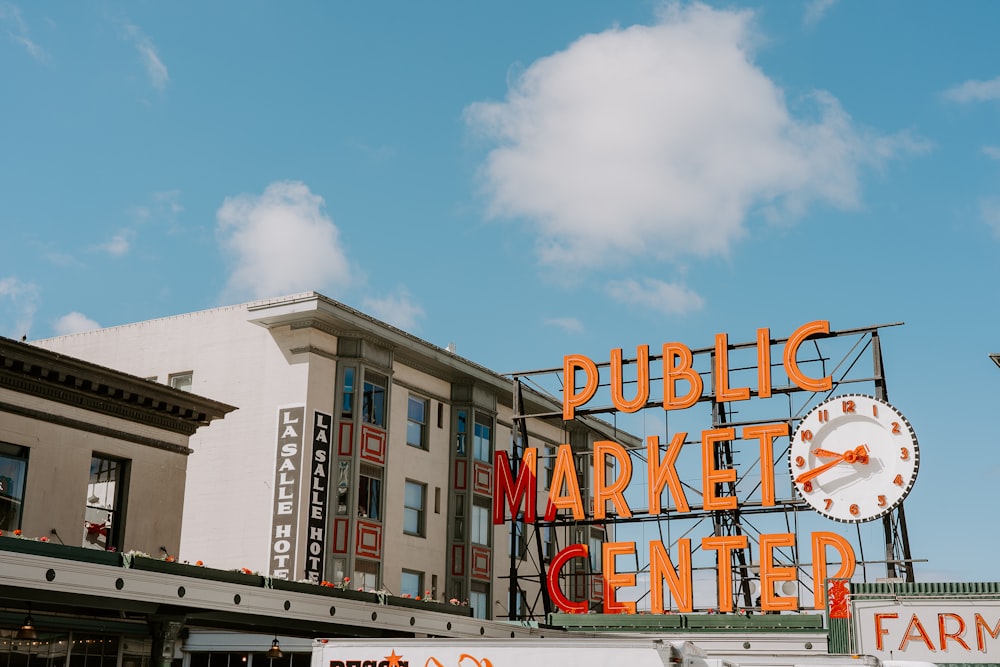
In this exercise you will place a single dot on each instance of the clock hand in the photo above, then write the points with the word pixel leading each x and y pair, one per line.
pixel 815 472
pixel 857 455
pixel 826 453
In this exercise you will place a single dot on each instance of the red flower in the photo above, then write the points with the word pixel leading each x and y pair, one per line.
pixel 199 563
pixel 17 532
pixel 247 570
pixel 43 539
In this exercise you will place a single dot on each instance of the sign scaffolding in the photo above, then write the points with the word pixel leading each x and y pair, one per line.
pixel 701 504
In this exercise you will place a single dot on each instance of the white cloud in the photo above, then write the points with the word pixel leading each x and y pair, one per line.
pixel 989 211
pixel 18 304
pixel 18 32
pixel 668 298
pixel 992 151
pixel 118 245
pixel 815 11
pixel 975 91
pixel 281 242
pixel 660 140
pixel 397 309
pixel 74 323
pixel 155 69
pixel 567 324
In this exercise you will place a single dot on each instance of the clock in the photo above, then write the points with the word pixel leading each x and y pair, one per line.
pixel 853 458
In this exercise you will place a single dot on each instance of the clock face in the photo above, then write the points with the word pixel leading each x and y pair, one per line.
pixel 853 458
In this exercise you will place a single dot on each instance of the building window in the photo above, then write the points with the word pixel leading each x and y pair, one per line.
pixel 479 600
pixel 370 493
pixel 416 422
pixel 460 518
pixel 343 486
pixel 182 381
pixel 104 510
pixel 483 442
pixel 373 400
pixel 347 393
pixel 412 584
pixel 13 471
pixel 548 458
pixel 517 542
pixel 481 523
pixel 365 575
pixel 596 545
pixel 461 429
pixel 414 504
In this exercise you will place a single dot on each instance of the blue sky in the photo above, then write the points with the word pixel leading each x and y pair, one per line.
pixel 529 180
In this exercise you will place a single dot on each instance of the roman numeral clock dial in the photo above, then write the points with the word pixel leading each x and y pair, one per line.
pixel 853 458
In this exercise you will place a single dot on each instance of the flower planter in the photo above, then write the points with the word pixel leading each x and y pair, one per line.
pixel 442 607
pixel 196 571
pixel 53 550
pixel 316 589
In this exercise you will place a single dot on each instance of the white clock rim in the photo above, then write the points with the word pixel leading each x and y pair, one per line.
pixel 916 458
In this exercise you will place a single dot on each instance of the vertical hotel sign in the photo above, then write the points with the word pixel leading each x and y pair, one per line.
pixel 319 475
pixel 286 491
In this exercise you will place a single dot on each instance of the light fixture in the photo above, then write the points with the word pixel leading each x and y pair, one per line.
pixel 995 357
pixel 27 630
pixel 274 652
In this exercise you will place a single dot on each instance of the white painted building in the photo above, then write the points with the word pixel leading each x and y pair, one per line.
pixel 357 451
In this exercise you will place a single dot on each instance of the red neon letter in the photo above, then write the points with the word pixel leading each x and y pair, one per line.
pixel 555 569
pixel 525 486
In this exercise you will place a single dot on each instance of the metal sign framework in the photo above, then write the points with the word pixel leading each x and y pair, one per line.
pixel 839 354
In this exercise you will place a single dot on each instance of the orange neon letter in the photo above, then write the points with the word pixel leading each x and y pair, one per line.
pixel 771 573
pixel 982 625
pixel 642 380
pixel 724 545
pixel 614 580
pixel 679 581
pixel 791 356
pixel 664 471
pixel 722 391
pixel 564 473
pixel 915 632
pixel 614 492
pixel 880 631
pixel 764 363
pixel 956 635
pixel 555 570
pixel 682 371
pixel 710 475
pixel 572 399
pixel 766 433
pixel 820 541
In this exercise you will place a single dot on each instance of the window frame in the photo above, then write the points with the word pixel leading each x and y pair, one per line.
pixel 172 381
pixel 115 525
pixel 421 426
pixel 408 509
pixel 420 583
pixel 16 456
